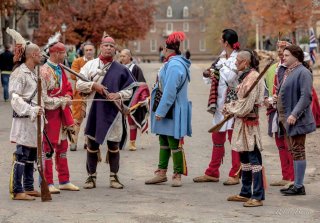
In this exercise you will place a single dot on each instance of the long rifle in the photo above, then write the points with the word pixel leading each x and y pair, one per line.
pixel 45 193
pixel 218 126
pixel 121 107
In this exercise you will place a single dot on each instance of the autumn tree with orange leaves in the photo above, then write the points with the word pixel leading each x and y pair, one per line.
pixel 230 14
pixel 11 11
pixel 284 16
pixel 88 19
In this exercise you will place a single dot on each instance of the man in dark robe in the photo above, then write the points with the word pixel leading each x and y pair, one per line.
pixel 105 123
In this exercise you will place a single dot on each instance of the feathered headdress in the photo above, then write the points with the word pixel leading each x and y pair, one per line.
pixel 174 39
pixel 53 39
pixel 20 44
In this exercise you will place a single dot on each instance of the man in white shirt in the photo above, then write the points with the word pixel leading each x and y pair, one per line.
pixel 23 90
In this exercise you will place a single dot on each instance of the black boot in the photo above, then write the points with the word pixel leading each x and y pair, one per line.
pixel 285 189
pixel 293 191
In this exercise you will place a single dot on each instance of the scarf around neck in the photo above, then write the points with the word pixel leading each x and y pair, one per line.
pixel 57 70
pixel 105 59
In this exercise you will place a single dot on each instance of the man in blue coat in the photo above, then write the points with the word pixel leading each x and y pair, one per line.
pixel 171 111
pixel 295 115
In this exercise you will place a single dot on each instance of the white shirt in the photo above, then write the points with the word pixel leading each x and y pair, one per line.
pixel 91 71
pixel 228 77
pixel 22 85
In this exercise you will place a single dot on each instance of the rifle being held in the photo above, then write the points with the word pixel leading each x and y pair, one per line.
pixel 121 107
pixel 218 126
pixel 45 193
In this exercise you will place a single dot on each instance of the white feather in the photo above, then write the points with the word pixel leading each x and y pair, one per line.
pixel 16 36
pixel 55 38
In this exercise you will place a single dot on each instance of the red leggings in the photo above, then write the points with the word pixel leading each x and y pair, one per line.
pixel 285 158
pixel 133 129
pixel 60 154
pixel 218 139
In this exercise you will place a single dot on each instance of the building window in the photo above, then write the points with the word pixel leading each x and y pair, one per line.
pixel 136 46
pixel 169 12
pixel 201 11
pixel 185 12
pixel 33 19
pixel 202 45
pixel 169 27
pixel 153 28
pixel 185 27
pixel 202 27
pixel 153 45
pixel 186 45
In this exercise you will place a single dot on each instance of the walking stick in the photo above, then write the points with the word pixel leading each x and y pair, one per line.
pixel 218 126
pixel 45 193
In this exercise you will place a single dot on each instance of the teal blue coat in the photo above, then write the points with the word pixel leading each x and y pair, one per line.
pixel 174 75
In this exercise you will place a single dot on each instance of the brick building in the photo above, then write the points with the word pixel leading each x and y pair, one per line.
pixel 25 18
pixel 175 15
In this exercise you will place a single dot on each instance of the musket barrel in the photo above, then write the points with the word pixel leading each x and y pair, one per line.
pixel 123 109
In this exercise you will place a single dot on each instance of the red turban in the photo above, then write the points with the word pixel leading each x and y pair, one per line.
pixel 57 47
pixel 174 39
pixel 108 40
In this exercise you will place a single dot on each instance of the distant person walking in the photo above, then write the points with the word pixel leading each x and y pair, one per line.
pixel 6 66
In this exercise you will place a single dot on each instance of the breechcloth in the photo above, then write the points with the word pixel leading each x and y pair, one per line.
pixel 93 153
pixel 23 166
pixel 218 140
pixel 251 163
pixel 285 158
pixel 133 129
pixel 61 162
pixel 168 145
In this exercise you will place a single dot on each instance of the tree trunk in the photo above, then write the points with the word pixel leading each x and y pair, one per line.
pixel 294 36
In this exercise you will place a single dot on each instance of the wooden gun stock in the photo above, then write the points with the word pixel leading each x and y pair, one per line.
pixel 45 193
pixel 218 126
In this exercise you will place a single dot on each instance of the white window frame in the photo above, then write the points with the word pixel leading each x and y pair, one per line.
pixel 185 27
pixel 153 28
pixel 137 46
pixel 186 44
pixel 185 12
pixel 169 12
pixel 167 27
pixel 202 45
pixel 153 43
pixel 203 27
pixel 201 11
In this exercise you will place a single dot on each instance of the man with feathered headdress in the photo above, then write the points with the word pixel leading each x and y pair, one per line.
pixel 171 111
pixel 23 91
pixel 58 95
pixel 105 123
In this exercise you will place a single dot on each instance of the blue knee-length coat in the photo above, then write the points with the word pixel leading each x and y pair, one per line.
pixel 174 78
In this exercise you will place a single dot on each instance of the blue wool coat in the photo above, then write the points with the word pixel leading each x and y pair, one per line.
pixel 174 75
pixel 296 98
